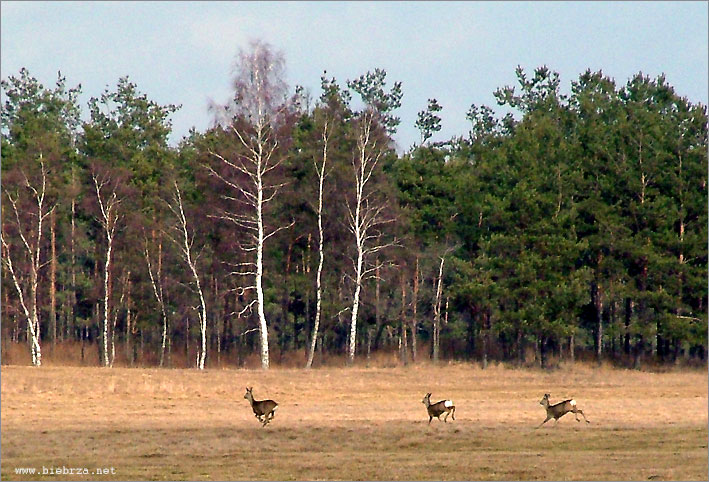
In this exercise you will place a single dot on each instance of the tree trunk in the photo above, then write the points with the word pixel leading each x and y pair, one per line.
pixel 520 348
pixel 72 292
pixel 437 312
pixel 106 298
pixel 486 336
pixel 414 318
pixel 129 353
pixel 186 248
pixel 628 317
pixel 262 325
pixel 637 352
pixel 404 347
pixel 543 352
pixel 598 304
pixel 33 253
pixel 187 341
pixel 53 279
pixel 355 305
pixel 318 275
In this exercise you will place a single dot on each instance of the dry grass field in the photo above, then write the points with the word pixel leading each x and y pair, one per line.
pixel 358 423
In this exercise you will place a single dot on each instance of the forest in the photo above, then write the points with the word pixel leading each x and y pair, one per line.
pixel 574 226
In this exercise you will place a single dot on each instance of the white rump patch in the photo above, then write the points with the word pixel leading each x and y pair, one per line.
pixel 572 402
pixel 274 408
pixel 447 404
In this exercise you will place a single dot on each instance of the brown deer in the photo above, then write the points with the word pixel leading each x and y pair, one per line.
pixel 439 408
pixel 264 410
pixel 560 409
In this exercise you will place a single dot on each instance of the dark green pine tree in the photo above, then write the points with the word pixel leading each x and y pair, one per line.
pixel 427 121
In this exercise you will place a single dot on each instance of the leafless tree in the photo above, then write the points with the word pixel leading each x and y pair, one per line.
pixel 156 283
pixel 258 110
pixel 438 282
pixel 366 213
pixel 108 203
pixel 185 243
pixel 437 310
pixel 320 168
pixel 30 235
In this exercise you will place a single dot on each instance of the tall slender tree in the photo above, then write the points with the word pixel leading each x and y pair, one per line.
pixel 366 212
pixel 255 116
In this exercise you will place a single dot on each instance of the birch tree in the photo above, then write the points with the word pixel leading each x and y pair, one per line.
pixel 320 169
pixel 30 234
pixel 108 203
pixel 185 242
pixel 329 115
pixel 437 310
pixel 366 213
pixel 38 126
pixel 157 285
pixel 258 110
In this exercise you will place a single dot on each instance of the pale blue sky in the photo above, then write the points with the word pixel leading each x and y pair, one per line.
pixel 457 52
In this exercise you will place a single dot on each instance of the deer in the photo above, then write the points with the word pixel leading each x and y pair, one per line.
pixel 560 409
pixel 264 410
pixel 439 408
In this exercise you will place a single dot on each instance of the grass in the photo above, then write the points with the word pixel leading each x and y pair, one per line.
pixel 355 424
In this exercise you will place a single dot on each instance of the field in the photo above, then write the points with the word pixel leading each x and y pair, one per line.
pixel 358 423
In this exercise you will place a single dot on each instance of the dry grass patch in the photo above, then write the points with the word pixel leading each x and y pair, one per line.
pixel 358 423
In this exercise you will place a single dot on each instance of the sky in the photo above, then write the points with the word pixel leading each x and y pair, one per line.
pixel 457 52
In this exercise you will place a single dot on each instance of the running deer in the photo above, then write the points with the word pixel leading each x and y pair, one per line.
pixel 560 409
pixel 263 409
pixel 439 408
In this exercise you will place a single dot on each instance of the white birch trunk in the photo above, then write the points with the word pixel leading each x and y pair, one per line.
pixel 318 276
pixel 185 245
pixel 33 249
pixel 357 229
pixel 30 314
pixel 437 312
pixel 414 319
pixel 355 306
pixel 259 87
pixel 262 325
pixel 365 216
pixel 157 291
pixel 109 221
pixel 106 272
pixel 255 167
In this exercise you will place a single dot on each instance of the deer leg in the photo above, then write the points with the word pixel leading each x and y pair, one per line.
pixel 584 416
pixel 445 419
pixel 453 413
pixel 267 418
pixel 430 417
pixel 545 421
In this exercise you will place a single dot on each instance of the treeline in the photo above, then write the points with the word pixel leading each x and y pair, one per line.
pixel 577 224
